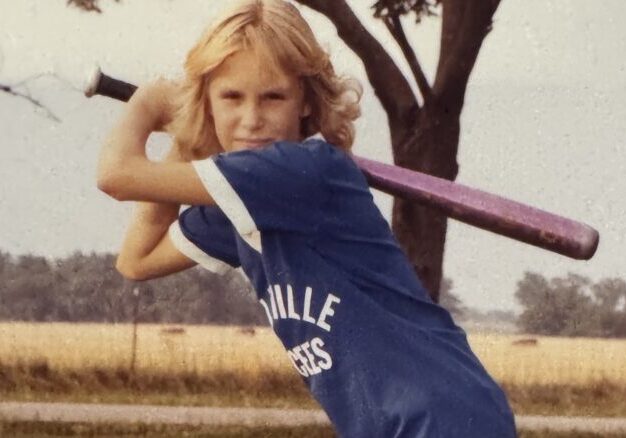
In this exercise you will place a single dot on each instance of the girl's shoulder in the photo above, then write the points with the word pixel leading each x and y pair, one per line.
pixel 312 158
pixel 322 147
pixel 327 155
pixel 315 151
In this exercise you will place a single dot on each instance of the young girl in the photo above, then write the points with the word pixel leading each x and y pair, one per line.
pixel 296 214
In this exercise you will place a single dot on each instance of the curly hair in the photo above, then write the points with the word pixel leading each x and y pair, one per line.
pixel 274 30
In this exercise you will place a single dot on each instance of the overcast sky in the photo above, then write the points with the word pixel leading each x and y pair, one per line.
pixel 543 124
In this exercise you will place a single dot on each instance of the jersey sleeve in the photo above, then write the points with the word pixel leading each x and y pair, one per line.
pixel 205 235
pixel 276 188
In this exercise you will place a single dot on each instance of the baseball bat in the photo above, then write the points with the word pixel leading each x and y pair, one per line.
pixel 471 206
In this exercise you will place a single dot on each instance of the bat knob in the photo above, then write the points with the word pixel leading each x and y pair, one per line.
pixel 90 86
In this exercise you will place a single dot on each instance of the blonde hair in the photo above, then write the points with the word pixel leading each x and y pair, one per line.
pixel 275 30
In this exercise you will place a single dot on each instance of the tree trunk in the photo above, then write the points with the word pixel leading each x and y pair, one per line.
pixel 420 230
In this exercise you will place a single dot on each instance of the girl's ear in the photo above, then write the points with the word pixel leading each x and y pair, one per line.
pixel 306 110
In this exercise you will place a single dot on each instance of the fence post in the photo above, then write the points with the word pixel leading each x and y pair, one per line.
pixel 133 357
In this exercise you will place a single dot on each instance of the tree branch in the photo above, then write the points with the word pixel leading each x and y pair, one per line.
pixel 465 25
pixel 11 90
pixel 394 25
pixel 87 5
pixel 452 15
pixel 379 66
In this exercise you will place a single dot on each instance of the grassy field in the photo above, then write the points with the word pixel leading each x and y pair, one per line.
pixel 38 429
pixel 199 349
pixel 255 351
pixel 200 365
pixel 46 430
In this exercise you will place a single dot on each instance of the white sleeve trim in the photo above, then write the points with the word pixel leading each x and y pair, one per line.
pixel 228 200
pixel 189 249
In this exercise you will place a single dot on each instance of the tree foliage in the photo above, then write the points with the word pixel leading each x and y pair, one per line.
pixel 450 301
pixel 87 288
pixel 87 5
pixel 572 306
pixel 420 8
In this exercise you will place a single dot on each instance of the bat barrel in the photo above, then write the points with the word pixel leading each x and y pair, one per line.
pixel 485 210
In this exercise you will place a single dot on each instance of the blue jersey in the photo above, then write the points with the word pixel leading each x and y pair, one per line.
pixel 380 357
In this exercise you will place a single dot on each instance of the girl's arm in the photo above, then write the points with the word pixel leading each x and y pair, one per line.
pixel 147 251
pixel 125 172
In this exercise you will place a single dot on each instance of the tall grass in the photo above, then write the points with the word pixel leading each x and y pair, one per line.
pixel 199 349
pixel 54 429
pixel 252 352
pixel 202 365
pixel 40 430
pixel 551 360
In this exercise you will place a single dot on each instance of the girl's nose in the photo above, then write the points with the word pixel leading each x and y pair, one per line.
pixel 252 117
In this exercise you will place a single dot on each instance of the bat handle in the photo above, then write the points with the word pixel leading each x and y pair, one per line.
pixel 99 83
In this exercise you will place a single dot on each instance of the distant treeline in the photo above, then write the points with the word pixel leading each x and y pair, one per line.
pixel 87 288
pixel 572 306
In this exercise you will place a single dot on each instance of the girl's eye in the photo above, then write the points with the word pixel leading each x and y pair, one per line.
pixel 275 96
pixel 230 95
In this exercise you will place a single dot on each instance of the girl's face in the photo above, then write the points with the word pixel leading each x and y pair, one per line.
pixel 253 104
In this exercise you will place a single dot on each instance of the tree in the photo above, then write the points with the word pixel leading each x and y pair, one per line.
pixel 560 306
pixel 610 294
pixel 27 293
pixel 87 288
pixel 450 301
pixel 425 128
pixel 6 265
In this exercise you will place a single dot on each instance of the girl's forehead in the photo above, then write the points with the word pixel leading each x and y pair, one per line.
pixel 250 67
